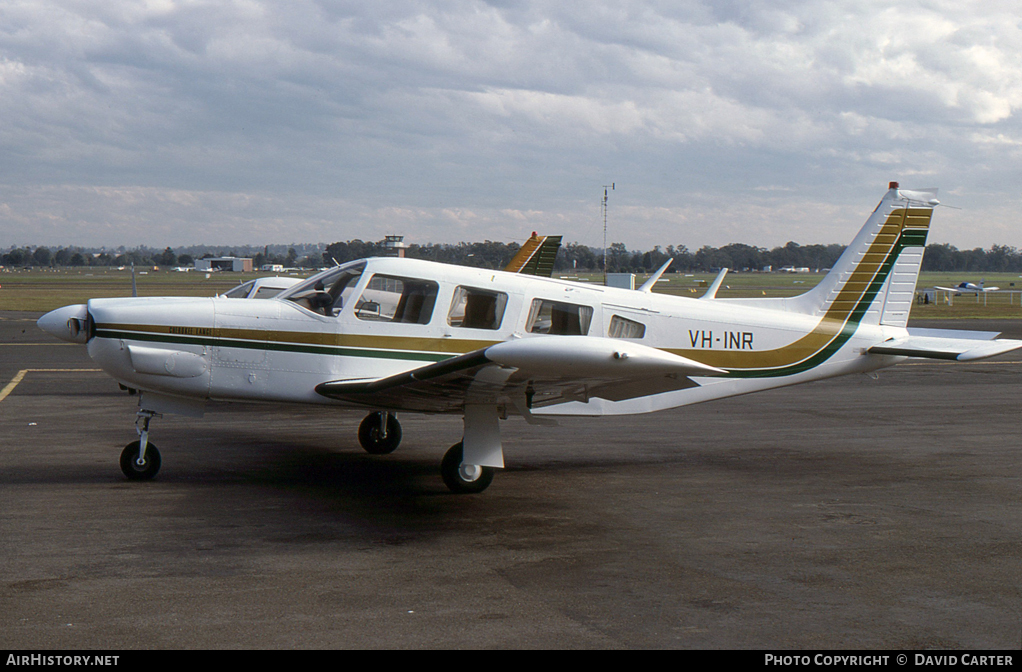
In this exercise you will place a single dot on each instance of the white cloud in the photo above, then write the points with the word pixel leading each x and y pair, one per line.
pixel 451 120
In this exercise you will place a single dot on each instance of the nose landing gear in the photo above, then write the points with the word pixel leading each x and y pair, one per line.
pixel 140 460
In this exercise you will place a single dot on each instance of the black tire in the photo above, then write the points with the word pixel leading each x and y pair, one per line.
pixel 140 472
pixel 369 434
pixel 450 470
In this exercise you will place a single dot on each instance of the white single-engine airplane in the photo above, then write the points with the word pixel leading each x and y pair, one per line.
pixel 400 335
pixel 968 288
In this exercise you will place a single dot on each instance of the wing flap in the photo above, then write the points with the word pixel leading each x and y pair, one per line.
pixel 540 371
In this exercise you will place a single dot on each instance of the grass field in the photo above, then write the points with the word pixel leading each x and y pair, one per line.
pixel 42 290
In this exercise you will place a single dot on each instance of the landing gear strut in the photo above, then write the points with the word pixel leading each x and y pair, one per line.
pixel 464 478
pixel 140 460
pixel 380 433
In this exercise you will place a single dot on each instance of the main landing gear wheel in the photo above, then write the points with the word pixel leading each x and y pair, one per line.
pixel 374 438
pixel 468 478
pixel 140 471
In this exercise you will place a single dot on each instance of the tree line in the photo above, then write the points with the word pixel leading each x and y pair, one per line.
pixel 735 256
pixel 144 256
pixel 496 255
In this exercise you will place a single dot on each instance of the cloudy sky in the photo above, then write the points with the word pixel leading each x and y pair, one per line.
pixel 178 123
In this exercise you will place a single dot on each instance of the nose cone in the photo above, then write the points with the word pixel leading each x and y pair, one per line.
pixel 69 323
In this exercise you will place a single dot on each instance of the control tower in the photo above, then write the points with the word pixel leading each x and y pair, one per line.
pixel 395 246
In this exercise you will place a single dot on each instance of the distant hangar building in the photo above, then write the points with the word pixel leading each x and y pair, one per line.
pixel 236 264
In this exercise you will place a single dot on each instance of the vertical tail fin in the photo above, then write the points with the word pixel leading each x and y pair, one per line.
pixel 536 256
pixel 874 281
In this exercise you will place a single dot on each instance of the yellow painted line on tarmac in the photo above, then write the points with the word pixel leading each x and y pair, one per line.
pixel 21 376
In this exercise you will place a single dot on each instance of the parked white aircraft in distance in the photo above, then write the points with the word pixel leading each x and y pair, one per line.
pixel 968 288
pixel 397 335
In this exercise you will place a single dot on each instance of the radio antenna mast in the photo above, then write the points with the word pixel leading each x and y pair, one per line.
pixel 603 208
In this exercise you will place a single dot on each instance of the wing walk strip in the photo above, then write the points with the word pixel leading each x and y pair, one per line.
pixel 21 376
pixel 453 365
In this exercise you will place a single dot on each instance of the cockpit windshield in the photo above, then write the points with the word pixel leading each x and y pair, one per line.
pixel 328 292
pixel 241 291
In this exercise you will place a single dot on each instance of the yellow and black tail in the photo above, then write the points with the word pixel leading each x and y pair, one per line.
pixel 536 256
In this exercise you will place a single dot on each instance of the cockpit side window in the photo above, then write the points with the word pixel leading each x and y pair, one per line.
pixel 392 299
pixel 556 318
pixel 477 308
pixel 328 292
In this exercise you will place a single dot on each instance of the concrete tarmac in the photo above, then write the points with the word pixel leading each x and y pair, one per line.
pixel 850 513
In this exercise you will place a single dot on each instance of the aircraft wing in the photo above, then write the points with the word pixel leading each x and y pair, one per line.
pixel 962 346
pixel 528 373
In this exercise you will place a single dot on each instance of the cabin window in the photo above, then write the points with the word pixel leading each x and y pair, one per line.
pixel 391 299
pixel 556 318
pixel 327 292
pixel 476 309
pixel 622 327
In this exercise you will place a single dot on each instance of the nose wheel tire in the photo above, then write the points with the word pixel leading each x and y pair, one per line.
pixel 136 471
pixel 464 478
pixel 373 440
